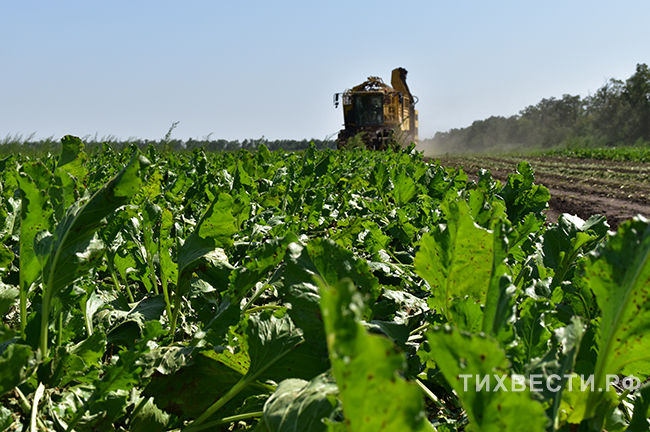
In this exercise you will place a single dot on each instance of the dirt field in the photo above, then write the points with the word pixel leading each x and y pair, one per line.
pixel 620 190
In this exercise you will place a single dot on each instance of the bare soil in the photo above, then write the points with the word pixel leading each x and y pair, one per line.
pixel 582 187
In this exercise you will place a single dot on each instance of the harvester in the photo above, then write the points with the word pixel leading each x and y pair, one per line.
pixel 380 115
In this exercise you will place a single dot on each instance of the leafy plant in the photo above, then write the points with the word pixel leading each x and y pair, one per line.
pixel 315 290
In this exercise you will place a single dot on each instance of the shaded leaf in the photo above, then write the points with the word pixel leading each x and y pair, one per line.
pixel 299 405
pixel 8 296
pixel 150 418
pixel 15 366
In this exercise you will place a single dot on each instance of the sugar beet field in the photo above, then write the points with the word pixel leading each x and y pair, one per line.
pixel 144 290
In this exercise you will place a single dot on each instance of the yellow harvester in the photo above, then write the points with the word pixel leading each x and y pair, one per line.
pixel 382 114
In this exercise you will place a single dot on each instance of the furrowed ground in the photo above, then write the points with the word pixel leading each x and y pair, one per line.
pixel 581 186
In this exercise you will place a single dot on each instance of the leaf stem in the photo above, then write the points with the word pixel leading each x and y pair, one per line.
pixel 152 274
pixel 59 334
pixel 138 408
pixel 263 307
pixel 419 329
pixel 427 392
pixel 225 420
pixel 255 296
pixel 23 402
pixel 45 313
pixel 84 311
pixel 116 280
pixel 175 311
pixel 23 303
pixel 234 390
pixel 168 306
pixel 37 398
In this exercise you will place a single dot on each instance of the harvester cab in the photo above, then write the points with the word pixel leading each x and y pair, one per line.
pixel 380 114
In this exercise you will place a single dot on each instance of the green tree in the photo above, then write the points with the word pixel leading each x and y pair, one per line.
pixel 637 94
pixel 608 113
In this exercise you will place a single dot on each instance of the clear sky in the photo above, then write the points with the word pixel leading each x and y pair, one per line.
pixel 247 69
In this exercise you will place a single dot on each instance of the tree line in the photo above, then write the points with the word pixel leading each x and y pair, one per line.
pixel 618 113
pixel 52 145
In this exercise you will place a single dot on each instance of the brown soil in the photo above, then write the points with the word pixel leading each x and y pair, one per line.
pixel 586 165
pixel 583 194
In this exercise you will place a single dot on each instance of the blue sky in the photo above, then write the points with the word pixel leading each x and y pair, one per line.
pixel 248 69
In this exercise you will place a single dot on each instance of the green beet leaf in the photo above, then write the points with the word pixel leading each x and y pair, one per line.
pixel 522 196
pixel 262 260
pixel 556 365
pixel 69 173
pixel 298 405
pixel 270 339
pixel 463 358
pixel 186 386
pixel 75 247
pixel 168 268
pixel 456 260
pixel 304 266
pixel 15 366
pixel 405 188
pixel 213 232
pixel 619 275
pixel 6 419
pixel 8 295
pixel 35 215
pixel 568 240
pixel 6 258
pixel 366 368
pixel 500 295
pixel 641 416
pixel 150 418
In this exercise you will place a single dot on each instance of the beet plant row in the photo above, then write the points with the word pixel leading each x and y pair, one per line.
pixel 311 291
